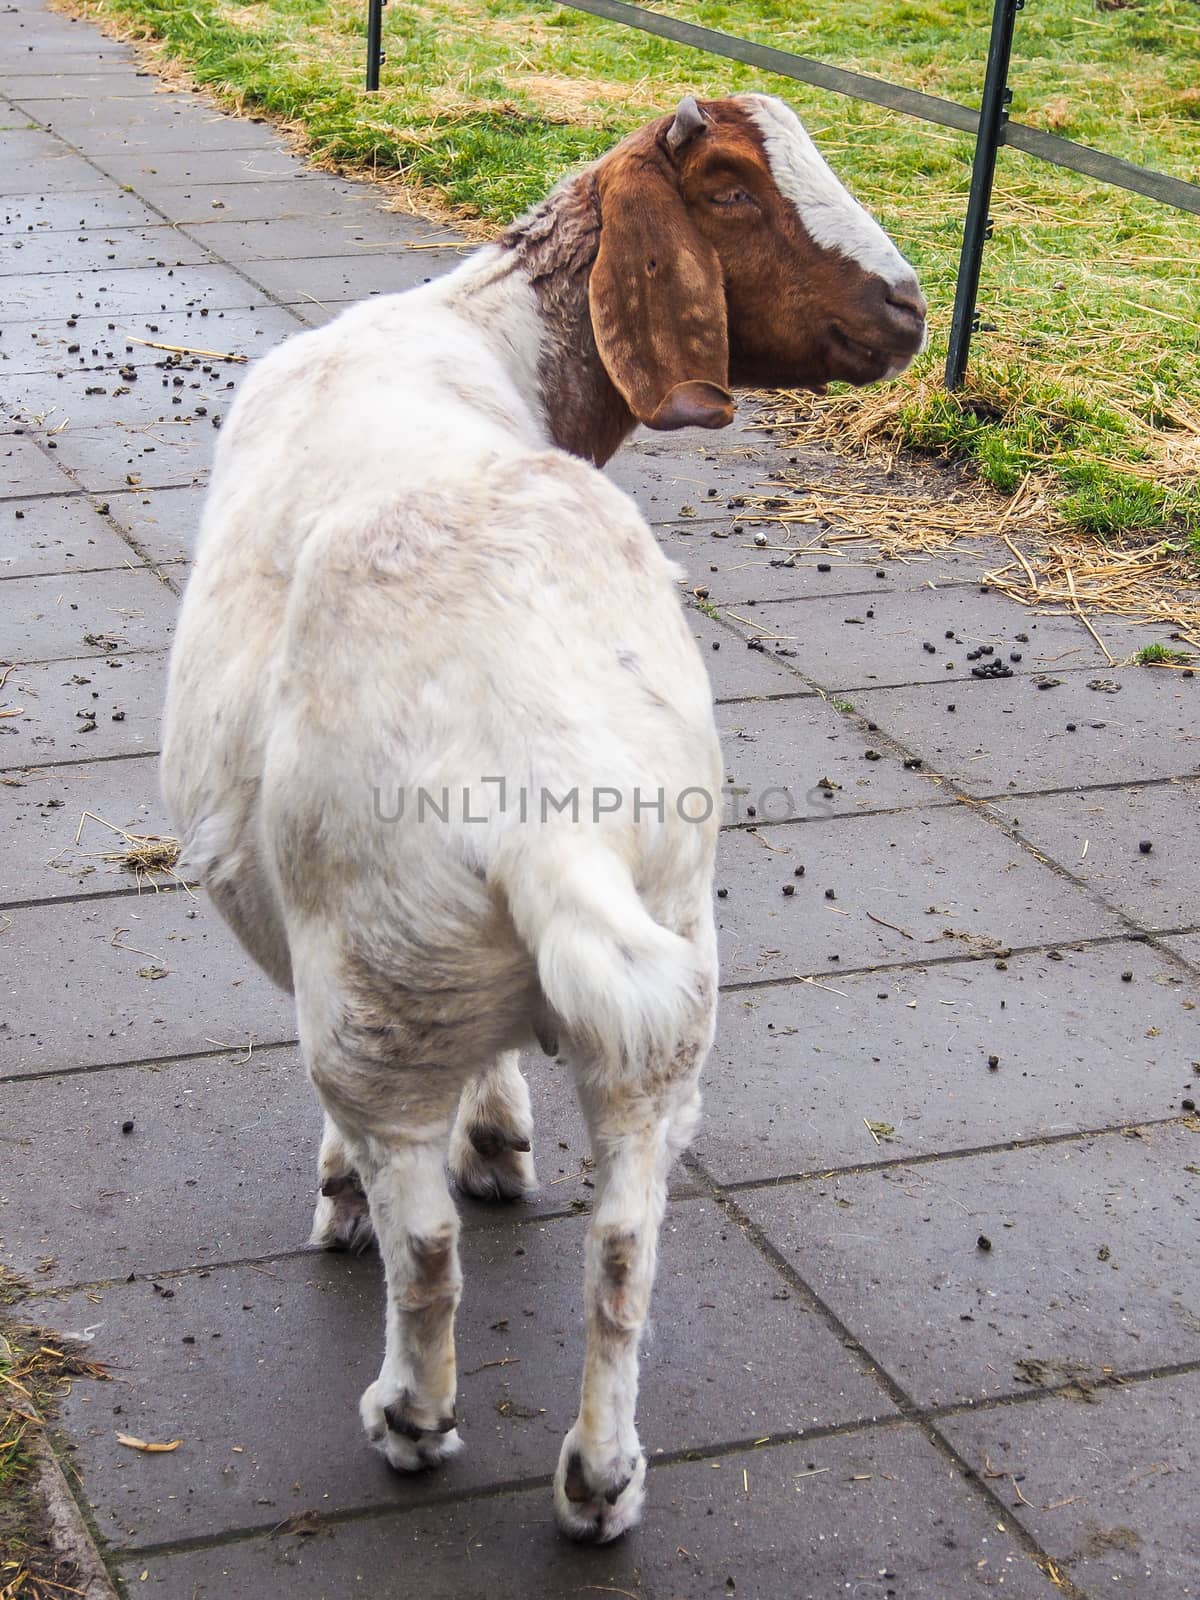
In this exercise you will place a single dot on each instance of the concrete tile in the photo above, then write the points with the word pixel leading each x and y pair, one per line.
pixel 294 192
pixel 58 701
pixel 57 533
pixel 1101 1483
pixel 164 110
pixel 35 88
pixel 735 671
pixel 88 398
pixel 122 292
pixel 22 144
pixel 335 279
pixel 311 1326
pixel 667 472
pixel 987 889
pixel 39 858
pixel 51 174
pixel 147 171
pixel 360 231
pixel 1160 889
pixel 27 470
pixel 19 61
pixel 778 751
pixel 107 458
pixel 196 131
pixel 163 523
pixel 796 1069
pixel 80 1000
pixel 68 615
pixel 842 647
pixel 1091 1267
pixel 1187 948
pixel 871 1515
pixel 1010 735
pixel 146 1201
pixel 95 208
pixel 117 247
pixel 107 343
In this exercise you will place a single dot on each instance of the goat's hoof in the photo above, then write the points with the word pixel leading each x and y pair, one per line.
pixel 492 1163
pixel 342 1219
pixel 406 1444
pixel 595 1505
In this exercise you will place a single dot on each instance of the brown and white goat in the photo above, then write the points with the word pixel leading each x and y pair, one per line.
pixel 438 737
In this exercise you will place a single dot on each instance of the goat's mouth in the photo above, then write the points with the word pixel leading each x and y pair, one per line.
pixel 859 361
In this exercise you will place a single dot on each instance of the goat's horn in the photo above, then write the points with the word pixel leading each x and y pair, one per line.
pixel 689 121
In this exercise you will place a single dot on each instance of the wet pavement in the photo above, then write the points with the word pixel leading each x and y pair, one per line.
pixel 927 1323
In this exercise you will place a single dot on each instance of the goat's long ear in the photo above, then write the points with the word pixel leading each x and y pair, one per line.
pixel 657 295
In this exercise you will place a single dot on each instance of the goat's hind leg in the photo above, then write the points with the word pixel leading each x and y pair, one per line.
pixel 490 1145
pixel 637 1128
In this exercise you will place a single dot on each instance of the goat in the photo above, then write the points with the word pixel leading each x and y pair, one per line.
pixel 439 740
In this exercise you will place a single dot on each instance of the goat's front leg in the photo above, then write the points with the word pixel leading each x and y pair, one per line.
pixel 489 1147
pixel 636 1133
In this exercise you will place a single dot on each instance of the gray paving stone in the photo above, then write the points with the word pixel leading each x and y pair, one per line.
pixel 68 615
pixel 95 208
pixel 334 279
pixel 870 1515
pixel 363 230
pixel 1010 735
pixel 51 174
pixel 665 472
pixel 56 533
pixel 108 342
pixel 39 858
pixel 893 867
pixel 122 292
pixel 107 458
pixel 1158 890
pixel 164 110
pixel 1187 948
pixel 777 751
pixel 25 469
pixel 164 523
pixel 197 131
pixel 298 192
pixel 842 647
pixel 146 1201
pixel 80 1001
pixel 57 703
pixel 735 671
pixel 797 1071
pixel 89 398
pixel 36 88
pixel 1103 1483
pixel 151 170
pixel 311 1326
pixel 1091 1267
pixel 119 247
pixel 21 144
pixel 27 60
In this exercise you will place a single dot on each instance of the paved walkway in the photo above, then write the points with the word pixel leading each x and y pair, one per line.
pixel 928 1321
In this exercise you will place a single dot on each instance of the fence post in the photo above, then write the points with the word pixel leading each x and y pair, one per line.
pixel 993 114
pixel 375 55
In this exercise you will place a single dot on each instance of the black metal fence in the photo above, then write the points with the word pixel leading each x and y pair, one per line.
pixel 991 126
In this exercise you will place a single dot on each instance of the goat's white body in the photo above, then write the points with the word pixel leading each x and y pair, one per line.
pixel 402 591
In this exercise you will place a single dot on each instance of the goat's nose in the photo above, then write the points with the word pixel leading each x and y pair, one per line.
pixel 906 298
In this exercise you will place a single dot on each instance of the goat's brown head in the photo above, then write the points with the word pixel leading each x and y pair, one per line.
pixel 729 253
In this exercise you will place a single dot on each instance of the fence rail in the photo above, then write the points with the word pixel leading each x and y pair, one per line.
pixel 991 127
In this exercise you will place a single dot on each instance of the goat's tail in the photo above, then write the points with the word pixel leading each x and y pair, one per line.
pixel 611 974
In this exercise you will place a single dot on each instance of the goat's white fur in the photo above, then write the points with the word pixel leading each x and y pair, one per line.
pixel 833 218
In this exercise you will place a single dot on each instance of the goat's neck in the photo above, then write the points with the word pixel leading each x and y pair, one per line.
pixel 535 285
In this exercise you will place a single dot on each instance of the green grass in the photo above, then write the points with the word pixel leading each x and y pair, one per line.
pixel 1158 655
pixel 1087 369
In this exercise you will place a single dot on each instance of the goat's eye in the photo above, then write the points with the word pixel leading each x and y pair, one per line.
pixel 732 197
